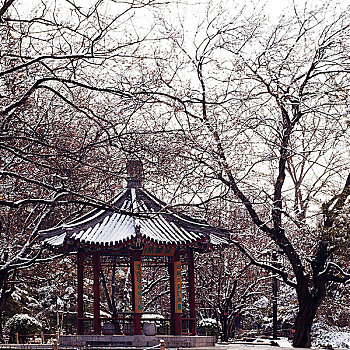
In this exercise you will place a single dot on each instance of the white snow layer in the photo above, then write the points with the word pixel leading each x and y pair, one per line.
pixel 337 339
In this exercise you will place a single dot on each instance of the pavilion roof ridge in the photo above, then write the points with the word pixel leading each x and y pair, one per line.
pixel 141 215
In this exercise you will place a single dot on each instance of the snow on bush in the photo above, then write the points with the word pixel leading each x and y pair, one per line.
pixel 207 326
pixel 207 322
pixel 337 337
pixel 23 324
pixel 262 302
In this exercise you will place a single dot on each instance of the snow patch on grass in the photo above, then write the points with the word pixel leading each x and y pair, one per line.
pixel 334 336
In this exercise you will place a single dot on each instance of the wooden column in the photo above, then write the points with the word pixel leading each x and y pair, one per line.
pixel 80 291
pixel 191 291
pixel 136 290
pixel 172 296
pixel 175 295
pixel 96 261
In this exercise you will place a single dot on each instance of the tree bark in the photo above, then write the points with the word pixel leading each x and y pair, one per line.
pixel 5 290
pixel 303 322
pixel 224 322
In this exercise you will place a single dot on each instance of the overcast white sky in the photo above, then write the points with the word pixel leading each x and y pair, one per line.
pixel 273 8
pixel 276 7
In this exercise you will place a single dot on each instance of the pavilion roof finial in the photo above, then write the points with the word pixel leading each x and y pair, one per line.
pixel 134 169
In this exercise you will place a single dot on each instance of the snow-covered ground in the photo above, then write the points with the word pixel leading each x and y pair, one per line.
pixel 334 336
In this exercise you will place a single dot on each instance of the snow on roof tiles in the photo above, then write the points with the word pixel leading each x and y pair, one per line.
pixel 137 213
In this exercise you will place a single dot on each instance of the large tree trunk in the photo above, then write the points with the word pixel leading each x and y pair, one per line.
pixel 224 323
pixel 303 323
pixel 308 306
pixel 5 290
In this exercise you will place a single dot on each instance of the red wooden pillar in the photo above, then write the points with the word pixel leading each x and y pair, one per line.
pixel 191 291
pixel 175 295
pixel 172 295
pixel 136 290
pixel 80 279
pixel 96 262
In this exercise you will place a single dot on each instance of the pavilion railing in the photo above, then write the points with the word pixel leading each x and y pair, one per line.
pixel 188 326
pixel 124 325
pixel 121 325
pixel 162 324
pixel 34 338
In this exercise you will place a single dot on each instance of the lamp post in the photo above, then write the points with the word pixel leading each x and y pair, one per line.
pixel 274 297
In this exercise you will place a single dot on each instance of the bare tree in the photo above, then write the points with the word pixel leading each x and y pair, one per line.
pixel 57 127
pixel 258 110
pixel 252 112
pixel 228 284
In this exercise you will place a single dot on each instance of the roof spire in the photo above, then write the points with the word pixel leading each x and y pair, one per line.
pixel 134 169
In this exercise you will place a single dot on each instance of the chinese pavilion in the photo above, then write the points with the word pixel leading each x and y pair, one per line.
pixel 137 228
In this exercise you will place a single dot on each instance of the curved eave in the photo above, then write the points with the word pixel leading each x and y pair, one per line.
pixel 185 222
pixel 147 219
pixel 72 244
pixel 126 240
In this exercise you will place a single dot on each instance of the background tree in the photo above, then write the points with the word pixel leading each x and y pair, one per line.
pixel 248 111
pixel 227 287
pixel 57 127
pixel 258 110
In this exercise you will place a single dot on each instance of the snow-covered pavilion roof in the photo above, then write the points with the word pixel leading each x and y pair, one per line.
pixel 136 214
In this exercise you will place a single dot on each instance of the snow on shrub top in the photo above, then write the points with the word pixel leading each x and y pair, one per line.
pixel 23 324
pixel 207 322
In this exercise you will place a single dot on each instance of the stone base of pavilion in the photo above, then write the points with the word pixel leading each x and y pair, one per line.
pixel 137 341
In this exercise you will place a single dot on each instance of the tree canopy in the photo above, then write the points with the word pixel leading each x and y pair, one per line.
pixel 233 108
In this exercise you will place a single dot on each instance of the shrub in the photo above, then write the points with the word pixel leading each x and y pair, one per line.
pixel 207 326
pixel 22 324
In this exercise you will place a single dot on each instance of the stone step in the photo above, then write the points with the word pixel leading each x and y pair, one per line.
pixel 112 346
pixel 96 343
